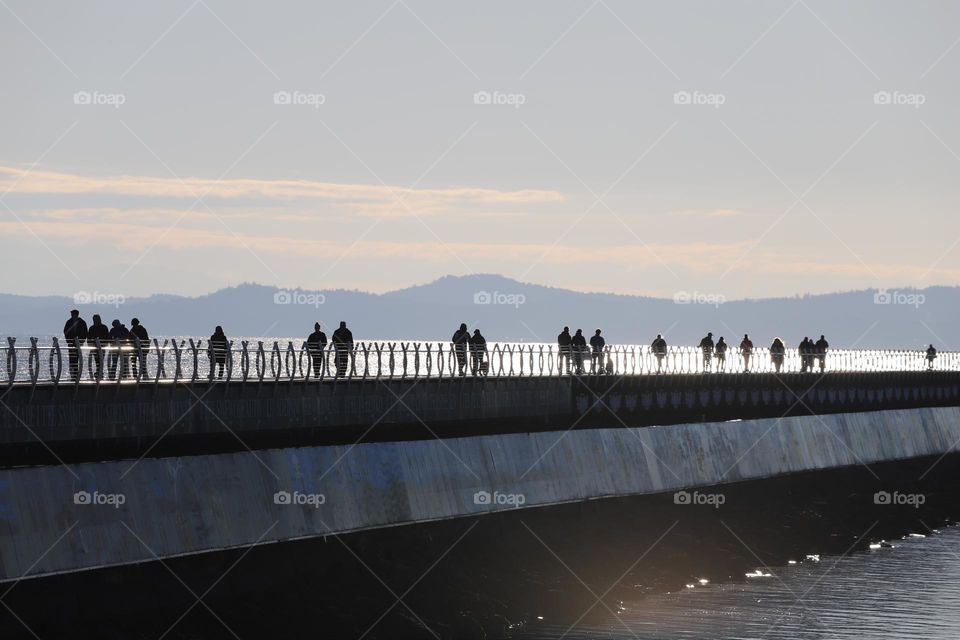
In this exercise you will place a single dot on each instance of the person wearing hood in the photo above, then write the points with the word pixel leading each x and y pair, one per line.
pixel 98 332
pixel 74 333
pixel 219 345
pixel 460 340
pixel 316 345
pixel 777 352
pixel 578 344
pixel 478 349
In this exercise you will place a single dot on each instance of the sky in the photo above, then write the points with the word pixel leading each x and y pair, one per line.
pixel 742 149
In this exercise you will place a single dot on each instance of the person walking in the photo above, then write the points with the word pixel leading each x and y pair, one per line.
pixel 74 333
pixel 460 340
pixel 777 352
pixel 706 346
pixel 343 347
pixel 478 352
pixel 597 343
pixel 746 351
pixel 316 345
pixel 140 340
pixel 98 332
pixel 219 345
pixel 563 347
pixel 820 349
pixel 659 349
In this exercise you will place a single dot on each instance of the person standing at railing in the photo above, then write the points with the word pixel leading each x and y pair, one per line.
pixel 119 341
pixel 460 340
pixel 806 353
pixel 563 346
pixel 316 345
pixel 219 344
pixel 140 341
pixel 597 343
pixel 721 352
pixel 659 348
pixel 820 348
pixel 578 345
pixel 931 356
pixel 75 332
pixel 746 350
pixel 777 352
pixel 478 350
pixel 706 346
pixel 98 331
pixel 343 345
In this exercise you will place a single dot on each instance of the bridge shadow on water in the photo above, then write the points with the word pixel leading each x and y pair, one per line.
pixel 496 576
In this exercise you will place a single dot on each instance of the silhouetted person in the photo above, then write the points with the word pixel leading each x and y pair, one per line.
pixel 75 332
pixel 578 344
pixel 931 356
pixel 820 348
pixel 316 345
pixel 721 351
pixel 746 350
pixel 563 344
pixel 597 343
pixel 659 348
pixel 140 341
pixel 219 345
pixel 706 346
pixel 343 346
pixel 460 340
pixel 119 343
pixel 478 349
pixel 777 352
pixel 98 331
pixel 805 350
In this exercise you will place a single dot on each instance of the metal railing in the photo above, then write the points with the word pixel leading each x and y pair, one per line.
pixel 188 361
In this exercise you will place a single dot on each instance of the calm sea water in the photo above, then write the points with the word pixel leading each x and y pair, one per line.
pixel 908 591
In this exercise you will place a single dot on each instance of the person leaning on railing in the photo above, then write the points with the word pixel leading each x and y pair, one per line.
pixel 478 349
pixel 218 351
pixel 460 340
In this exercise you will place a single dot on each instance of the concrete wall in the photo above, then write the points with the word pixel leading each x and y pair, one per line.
pixel 193 504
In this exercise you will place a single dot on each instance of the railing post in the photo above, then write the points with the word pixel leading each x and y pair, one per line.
pixel 56 354
pixel 193 351
pixel 161 358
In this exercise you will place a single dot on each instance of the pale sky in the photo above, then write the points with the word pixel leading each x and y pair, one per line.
pixel 736 148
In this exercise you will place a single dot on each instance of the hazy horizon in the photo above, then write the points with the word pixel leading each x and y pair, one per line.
pixel 747 149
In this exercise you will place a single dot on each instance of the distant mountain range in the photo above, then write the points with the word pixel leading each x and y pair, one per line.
pixel 505 309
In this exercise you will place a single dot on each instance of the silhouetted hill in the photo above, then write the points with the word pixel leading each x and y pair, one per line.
pixel 505 309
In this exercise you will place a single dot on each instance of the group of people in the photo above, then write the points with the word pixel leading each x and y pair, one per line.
pixel 342 340
pixel 463 342
pixel 808 350
pixel 123 347
pixel 574 350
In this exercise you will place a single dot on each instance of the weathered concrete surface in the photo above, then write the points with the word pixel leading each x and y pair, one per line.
pixel 193 504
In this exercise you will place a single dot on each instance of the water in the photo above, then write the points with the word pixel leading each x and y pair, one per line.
pixel 908 591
